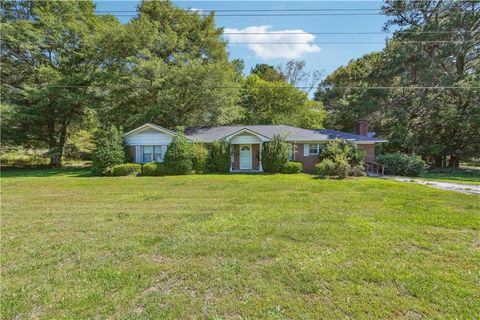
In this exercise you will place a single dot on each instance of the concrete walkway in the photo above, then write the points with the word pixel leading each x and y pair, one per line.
pixel 463 188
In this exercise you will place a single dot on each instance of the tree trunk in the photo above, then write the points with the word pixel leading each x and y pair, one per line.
pixel 438 161
pixel 57 148
pixel 453 162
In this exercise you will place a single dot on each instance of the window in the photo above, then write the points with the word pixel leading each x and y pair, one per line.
pixel 314 149
pixel 152 153
pixel 291 151
pixel 147 153
pixel 157 153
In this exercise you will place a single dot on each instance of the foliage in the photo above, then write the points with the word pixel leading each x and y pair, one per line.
pixel 292 167
pixel 402 164
pixel 415 115
pixel 219 160
pixel 22 158
pixel 109 150
pixel 199 157
pixel 355 156
pixel 178 158
pixel 126 169
pixel 275 154
pixel 295 73
pixel 154 169
pixel 181 74
pixel 54 54
pixel 325 168
pixel 267 72
pixel 333 168
pixel 267 102
pixel 356 171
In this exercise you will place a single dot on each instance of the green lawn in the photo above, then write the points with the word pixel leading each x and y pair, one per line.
pixel 469 175
pixel 235 246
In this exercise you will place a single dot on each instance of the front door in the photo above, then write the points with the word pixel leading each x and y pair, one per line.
pixel 245 157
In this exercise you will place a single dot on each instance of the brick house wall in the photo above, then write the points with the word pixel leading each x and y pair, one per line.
pixel 131 150
pixel 370 150
pixel 309 162
pixel 255 156
pixel 236 157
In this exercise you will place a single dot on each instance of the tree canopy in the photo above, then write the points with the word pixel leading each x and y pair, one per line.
pixel 267 102
pixel 421 92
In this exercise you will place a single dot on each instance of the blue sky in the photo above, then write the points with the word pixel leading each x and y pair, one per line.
pixel 319 56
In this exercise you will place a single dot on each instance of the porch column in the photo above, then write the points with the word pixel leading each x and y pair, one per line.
pixel 260 157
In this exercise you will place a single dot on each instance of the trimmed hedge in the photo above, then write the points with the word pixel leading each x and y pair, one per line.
pixel 199 157
pixel 126 169
pixel 178 158
pixel 275 154
pixel 292 167
pixel 402 164
pixel 154 169
pixel 219 157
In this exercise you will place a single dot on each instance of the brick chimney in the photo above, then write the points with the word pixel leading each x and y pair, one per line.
pixel 361 127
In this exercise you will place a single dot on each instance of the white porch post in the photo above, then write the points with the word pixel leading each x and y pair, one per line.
pixel 260 157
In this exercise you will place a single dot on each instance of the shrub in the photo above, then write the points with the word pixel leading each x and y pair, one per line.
pixel 275 154
pixel 325 168
pixel 328 168
pixel 219 158
pixel 178 158
pixel 341 167
pixel 292 167
pixel 109 150
pixel 344 149
pixel 356 171
pixel 154 169
pixel 126 169
pixel 199 157
pixel 402 164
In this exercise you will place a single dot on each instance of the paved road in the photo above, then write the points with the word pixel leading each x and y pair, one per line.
pixel 463 188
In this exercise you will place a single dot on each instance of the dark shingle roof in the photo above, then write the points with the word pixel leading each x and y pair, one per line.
pixel 210 134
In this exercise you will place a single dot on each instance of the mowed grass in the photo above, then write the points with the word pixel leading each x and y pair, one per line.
pixel 470 175
pixel 235 246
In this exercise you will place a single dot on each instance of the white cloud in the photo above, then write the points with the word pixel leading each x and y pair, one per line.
pixel 289 46
pixel 196 10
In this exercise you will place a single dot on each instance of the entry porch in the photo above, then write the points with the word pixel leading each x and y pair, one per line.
pixel 246 157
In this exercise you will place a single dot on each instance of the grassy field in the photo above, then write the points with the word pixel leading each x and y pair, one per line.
pixel 235 246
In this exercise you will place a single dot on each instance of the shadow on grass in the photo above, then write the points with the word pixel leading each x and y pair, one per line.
pixel 46 172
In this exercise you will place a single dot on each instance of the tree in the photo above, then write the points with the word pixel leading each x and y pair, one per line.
pixel 268 72
pixel 109 150
pixel 181 74
pixel 267 102
pixel 432 66
pixel 294 73
pixel 54 54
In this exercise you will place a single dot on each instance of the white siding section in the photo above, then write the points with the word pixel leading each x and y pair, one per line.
pixel 245 139
pixel 306 150
pixel 149 137
pixel 138 154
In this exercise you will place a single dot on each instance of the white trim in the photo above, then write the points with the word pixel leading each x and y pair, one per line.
pixel 260 136
pixel 154 127
pixel 138 154
pixel 306 149
pixel 260 168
